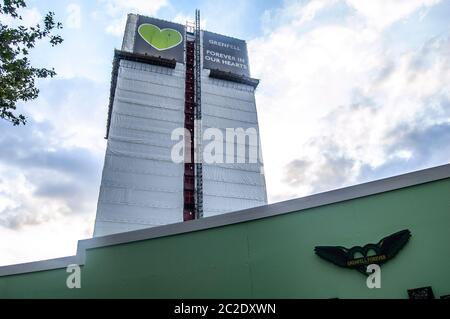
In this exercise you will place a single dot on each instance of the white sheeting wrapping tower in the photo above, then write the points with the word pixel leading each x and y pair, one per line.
pixel 141 186
pixel 234 186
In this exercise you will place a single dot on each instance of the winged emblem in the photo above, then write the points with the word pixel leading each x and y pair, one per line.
pixel 384 250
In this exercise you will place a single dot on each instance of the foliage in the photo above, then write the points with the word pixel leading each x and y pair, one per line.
pixel 17 75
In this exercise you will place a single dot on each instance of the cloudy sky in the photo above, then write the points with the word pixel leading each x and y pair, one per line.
pixel 351 91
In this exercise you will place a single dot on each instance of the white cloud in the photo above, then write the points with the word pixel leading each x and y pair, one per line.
pixel 116 27
pixel 294 13
pixel 118 10
pixel 183 18
pixel 226 17
pixel 50 170
pixel 73 20
pixel 48 191
pixel 53 239
pixel 333 98
pixel 382 13
pixel 19 206
pixel 115 7
pixel 30 17
pixel 303 13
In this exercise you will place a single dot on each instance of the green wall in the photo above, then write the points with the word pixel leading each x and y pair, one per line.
pixel 271 257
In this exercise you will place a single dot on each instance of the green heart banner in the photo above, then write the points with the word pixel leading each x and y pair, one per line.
pixel 160 39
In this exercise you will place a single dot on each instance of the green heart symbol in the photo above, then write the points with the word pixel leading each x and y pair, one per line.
pixel 160 39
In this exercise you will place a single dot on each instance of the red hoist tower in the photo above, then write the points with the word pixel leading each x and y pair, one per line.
pixel 193 170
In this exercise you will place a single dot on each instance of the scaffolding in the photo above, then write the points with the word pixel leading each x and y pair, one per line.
pixel 189 209
pixel 198 117
pixel 193 170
